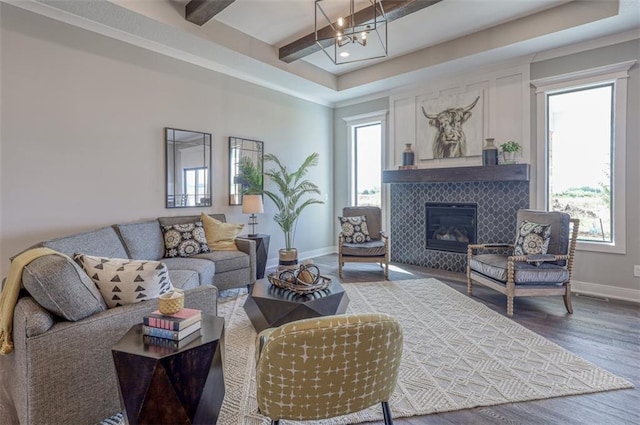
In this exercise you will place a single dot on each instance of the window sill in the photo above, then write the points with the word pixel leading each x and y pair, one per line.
pixel 604 247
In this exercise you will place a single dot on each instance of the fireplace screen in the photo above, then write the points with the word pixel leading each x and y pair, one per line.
pixel 451 227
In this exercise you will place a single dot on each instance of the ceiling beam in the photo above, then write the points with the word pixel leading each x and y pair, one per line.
pixel 200 12
pixel 394 9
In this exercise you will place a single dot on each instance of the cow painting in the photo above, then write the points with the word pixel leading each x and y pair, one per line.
pixel 450 140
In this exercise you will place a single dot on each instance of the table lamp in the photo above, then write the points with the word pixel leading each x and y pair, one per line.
pixel 252 204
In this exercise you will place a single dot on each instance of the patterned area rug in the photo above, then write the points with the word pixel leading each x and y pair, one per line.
pixel 458 354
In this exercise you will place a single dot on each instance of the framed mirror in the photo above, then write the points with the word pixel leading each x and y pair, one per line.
pixel 188 168
pixel 245 168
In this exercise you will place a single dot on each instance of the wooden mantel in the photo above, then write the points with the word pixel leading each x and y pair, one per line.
pixel 493 173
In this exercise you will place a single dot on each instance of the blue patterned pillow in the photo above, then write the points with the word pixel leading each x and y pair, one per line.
pixel 354 229
pixel 184 240
pixel 532 239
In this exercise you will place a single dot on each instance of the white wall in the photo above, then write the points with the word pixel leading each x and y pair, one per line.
pixel 82 142
pixel 503 107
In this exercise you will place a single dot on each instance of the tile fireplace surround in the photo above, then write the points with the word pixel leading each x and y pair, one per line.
pixel 500 191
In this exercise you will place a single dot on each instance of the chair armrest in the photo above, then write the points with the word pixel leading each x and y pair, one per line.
pixel 383 234
pixel 248 246
pixel 534 258
pixel 490 246
pixel 35 318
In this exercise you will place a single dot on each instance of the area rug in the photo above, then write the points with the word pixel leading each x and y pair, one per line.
pixel 458 354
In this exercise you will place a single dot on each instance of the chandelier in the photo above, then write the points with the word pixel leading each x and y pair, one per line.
pixel 352 37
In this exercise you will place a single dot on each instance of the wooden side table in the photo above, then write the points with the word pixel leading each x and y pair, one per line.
pixel 262 252
pixel 161 386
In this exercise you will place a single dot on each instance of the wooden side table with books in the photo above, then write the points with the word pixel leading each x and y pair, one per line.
pixel 167 381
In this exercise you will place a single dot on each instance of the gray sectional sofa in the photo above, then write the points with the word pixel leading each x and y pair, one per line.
pixel 61 370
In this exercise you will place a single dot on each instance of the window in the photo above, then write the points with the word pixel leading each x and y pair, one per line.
pixel 366 159
pixel 581 152
pixel 368 164
pixel 195 185
pixel 580 131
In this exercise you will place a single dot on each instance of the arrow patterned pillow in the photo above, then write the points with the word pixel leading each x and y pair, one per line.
pixel 123 281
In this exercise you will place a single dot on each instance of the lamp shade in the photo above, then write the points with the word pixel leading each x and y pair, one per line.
pixel 252 204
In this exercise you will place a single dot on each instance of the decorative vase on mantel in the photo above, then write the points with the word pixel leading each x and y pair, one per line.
pixel 490 153
pixel 408 156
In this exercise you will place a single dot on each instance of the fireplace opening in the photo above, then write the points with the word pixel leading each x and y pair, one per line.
pixel 451 227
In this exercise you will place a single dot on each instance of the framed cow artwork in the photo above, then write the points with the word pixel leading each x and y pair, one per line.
pixel 450 126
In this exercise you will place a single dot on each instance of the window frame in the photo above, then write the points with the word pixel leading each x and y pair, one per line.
pixel 616 74
pixel 377 117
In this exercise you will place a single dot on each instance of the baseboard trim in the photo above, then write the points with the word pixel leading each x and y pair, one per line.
pixel 605 291
pixel 305 255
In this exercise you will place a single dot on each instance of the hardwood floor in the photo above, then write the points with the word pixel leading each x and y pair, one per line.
pixel 606 333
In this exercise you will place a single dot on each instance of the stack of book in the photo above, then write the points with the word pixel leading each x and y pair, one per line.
pixel 172 331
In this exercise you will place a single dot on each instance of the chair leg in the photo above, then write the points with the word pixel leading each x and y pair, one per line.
pixel 469 285
pixel 567 299
pixel 386 413
pixel 510 306
pixel 386 270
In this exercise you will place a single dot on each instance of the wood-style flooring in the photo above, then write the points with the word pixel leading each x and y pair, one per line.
pixel 604 332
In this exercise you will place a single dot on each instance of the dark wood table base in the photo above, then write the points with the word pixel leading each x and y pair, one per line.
pixel 158 386
pixel 268 306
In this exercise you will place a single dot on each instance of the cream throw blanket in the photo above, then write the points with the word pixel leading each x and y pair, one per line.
pixel 10 293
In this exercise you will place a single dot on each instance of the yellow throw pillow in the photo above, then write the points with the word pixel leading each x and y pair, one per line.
pixel 220 236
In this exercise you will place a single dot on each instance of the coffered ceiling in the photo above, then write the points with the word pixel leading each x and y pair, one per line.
pixel 245 37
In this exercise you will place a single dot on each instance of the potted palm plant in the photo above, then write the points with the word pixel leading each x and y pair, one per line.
pixel 292 189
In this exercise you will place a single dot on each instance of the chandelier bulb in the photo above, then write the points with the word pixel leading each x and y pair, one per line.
pixel 340 21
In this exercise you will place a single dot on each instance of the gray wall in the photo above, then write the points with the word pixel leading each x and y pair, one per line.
pixel 82 142
pixel 592 267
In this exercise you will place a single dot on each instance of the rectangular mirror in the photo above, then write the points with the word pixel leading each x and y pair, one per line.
pixel 245 168
pixel 188 168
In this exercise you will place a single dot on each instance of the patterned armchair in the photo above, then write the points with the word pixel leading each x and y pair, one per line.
pixel 375 250
pixel 330 366
pixel 539 263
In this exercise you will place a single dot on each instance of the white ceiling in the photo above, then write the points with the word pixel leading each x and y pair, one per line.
pixel 244 38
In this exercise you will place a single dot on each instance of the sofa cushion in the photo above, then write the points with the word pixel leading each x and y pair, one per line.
pixel 495 267
pixel 354 229
pixel 123 281
pixel 184 240
pixel 143 241
pixel 184 279
pixel 103 242
pixel 220 236
pixel 366 249
pixel 205 268
pixel 227 260
pixel 62 287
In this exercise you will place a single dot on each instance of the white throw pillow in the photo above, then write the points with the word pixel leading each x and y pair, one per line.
pixel 123 281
